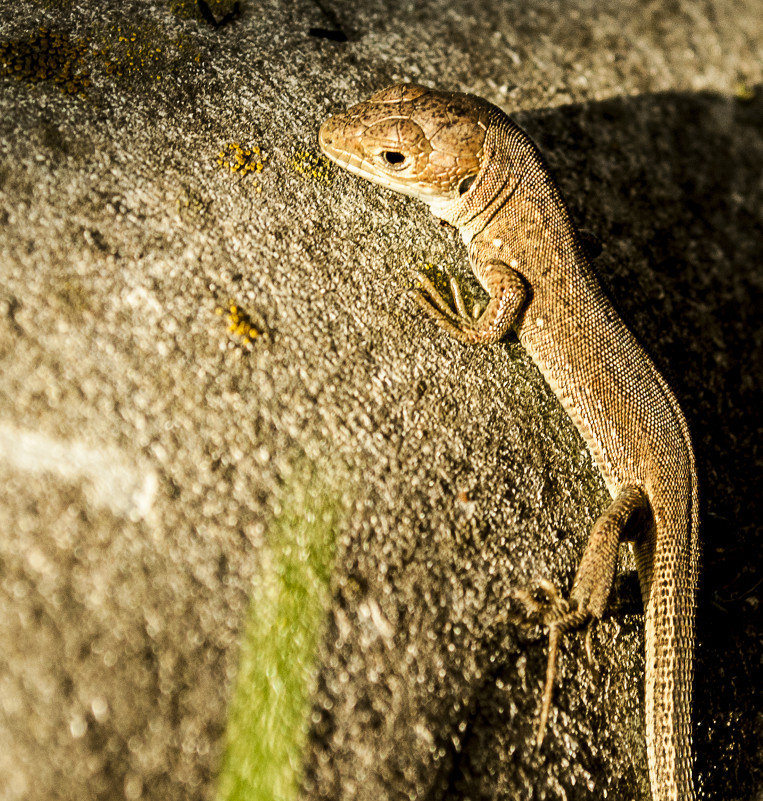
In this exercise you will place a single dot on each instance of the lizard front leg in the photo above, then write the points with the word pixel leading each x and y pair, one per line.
pixel 507 297
pixel 626 517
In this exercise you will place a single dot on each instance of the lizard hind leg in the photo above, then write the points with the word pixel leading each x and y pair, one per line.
pixel 592 584
pixel 559 616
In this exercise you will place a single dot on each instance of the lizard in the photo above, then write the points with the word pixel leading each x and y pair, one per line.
pixel 480 172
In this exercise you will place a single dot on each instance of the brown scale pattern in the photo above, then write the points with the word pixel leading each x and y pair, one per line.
pixel 480 172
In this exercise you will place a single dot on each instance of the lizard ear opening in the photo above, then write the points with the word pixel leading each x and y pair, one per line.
pixel 466 184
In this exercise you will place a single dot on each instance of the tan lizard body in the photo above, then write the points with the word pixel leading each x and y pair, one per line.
pixel 480 172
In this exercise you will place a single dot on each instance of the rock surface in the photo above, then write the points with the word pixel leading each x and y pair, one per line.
pixel 200 323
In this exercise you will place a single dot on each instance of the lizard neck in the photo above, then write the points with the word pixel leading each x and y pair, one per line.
pixel 499 177
pixel 513 209
pixel 513 212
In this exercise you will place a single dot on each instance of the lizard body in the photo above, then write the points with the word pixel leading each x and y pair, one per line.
pixel 480 172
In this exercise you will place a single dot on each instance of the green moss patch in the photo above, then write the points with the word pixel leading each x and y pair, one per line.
pixel 269 712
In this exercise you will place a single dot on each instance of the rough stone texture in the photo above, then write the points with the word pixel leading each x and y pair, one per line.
pixel 144 448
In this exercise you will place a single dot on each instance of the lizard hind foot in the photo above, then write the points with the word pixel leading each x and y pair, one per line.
pixel 543 603
pixel 547 606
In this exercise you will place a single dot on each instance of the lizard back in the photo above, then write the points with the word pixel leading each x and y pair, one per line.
pixel 620 403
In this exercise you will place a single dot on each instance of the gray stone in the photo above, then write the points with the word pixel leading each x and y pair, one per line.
pixel 145 448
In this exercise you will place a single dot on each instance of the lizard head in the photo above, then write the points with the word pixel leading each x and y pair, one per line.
pixel 413 140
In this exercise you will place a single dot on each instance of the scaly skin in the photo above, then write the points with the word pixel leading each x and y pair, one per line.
pixel 480 172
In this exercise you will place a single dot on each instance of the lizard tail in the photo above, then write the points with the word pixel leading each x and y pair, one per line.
pixel 668 591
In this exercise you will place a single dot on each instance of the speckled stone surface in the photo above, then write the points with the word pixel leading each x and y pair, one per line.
pixel 149 433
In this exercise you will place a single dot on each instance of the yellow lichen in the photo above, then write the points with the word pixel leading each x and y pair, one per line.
pixel 744 92
pixel 120 51
pixel 242 159
pixel 240 323
pixel 439 276
pixel 47 55
pixel 308 163
pixel 133 51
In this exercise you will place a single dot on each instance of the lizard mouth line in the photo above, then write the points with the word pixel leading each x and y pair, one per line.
pixel 358 165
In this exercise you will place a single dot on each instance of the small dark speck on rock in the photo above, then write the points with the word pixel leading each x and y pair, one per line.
pixel 209 17
pixel 325 33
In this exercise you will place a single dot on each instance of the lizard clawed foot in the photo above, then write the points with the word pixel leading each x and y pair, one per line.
pixel 484 326
pixel 550 606
pixel 559 616
pixel 458 322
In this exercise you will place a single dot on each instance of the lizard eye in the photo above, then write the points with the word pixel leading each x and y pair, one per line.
pixel 393 158
pixel 466 184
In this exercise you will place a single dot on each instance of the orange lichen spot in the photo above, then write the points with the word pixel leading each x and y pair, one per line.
pixel 308 163
pixel 240 323
pixel 47 55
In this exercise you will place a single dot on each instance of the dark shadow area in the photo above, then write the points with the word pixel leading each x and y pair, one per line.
pixel 670 184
